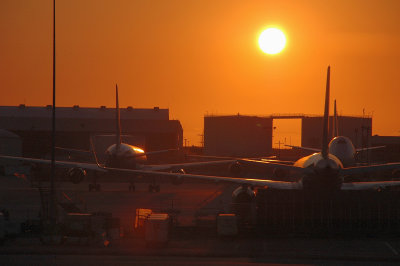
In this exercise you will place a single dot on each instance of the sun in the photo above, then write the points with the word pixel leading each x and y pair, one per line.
pixel 272 41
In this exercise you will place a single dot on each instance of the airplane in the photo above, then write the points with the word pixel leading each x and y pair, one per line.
pixel 319 172
pixel 119 155
pixel 340 146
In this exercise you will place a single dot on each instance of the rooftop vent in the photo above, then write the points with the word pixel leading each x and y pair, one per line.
pixel 76 107
pixel 103 108
pixel 157 108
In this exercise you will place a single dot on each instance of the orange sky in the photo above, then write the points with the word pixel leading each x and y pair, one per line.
pixel 202 57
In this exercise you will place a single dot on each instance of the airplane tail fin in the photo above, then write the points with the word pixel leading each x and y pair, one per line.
pixel 326 117
pixel 335 121
pixel 117 119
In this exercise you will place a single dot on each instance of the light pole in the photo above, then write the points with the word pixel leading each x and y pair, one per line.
pixel 53 132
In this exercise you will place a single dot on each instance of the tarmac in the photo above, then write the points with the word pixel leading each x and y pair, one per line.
pixel 191 245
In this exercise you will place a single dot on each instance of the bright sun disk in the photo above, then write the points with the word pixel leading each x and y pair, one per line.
pixel 272 41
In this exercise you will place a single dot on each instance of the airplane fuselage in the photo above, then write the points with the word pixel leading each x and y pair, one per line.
pixel 343 149
pixel 124 156
pixel 323 174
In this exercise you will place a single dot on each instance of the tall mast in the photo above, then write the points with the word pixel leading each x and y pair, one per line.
pixel 53 132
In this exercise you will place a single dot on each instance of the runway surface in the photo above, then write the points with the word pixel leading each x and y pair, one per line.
pixel 191 247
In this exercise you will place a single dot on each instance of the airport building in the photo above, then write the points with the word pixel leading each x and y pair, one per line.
pixel 249 136
pixel 358 129
pixel 149 128
pixel 391 152
pixel 237 135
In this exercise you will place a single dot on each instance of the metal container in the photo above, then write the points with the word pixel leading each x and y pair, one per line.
pixel 227 225
pixel 157 229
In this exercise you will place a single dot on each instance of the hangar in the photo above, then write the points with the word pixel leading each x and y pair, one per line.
pixel 74 125
pixel 251 136
pixel 358 129
pixel 237 135
pixel 391 153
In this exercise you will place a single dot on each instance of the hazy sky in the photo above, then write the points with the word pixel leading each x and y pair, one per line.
pixel 202 57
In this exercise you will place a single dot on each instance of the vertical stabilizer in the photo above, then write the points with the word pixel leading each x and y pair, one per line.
pixel 335 121
pixel 117 119
pixel 326 117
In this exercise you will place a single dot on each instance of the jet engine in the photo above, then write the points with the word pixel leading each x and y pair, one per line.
pixel 243 199
pixel 177 180
pixel 76 175
pixel 243 194
pixel 235 169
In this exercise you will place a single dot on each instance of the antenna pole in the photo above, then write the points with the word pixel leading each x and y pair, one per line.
pixel 53 132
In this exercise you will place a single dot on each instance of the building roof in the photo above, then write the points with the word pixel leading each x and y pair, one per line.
pixel 102 112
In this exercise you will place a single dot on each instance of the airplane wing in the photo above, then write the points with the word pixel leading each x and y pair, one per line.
pixel 260 183
pixel 154 152
pixel 273 164
pixel 271 158
pixel 304 148
pixel 74 150
pixel 252 182
pixel 86 166
pixel 277 161
pixel 369 168
pixel 229 157
pixel 164 167
pixel 154 172
pixel 370 185
pixel 98 167
pixel 77 151
pixel 370 148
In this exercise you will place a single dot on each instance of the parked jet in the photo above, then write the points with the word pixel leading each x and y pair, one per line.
pixel 321 171
pixel 119 156
pixel 340 146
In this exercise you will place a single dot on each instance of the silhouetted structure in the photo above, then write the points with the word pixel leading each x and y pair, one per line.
pixel 358 129
pixel 240 135
pixel 237 135
pixel 75 126
pixel 391 152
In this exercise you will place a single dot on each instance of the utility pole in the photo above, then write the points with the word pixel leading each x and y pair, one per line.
pixel 53 133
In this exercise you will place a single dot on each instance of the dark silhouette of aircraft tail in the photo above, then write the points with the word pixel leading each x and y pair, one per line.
pixel 117 119
pixel 335 121
pixel 325 141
